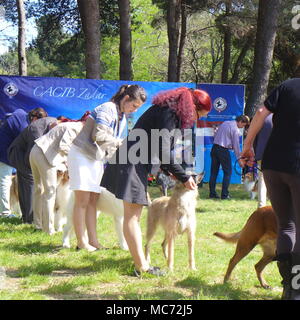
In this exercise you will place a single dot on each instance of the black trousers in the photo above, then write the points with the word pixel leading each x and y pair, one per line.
pixel 25 189
pixel 284 192
pixel 220 156
pixel 25 184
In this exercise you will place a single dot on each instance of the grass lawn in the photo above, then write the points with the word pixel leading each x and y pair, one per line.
pixel 34 266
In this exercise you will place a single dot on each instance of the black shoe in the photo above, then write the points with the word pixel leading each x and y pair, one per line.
pixel 155 271
pixel 284 264
pixel 284 268
pixel 225 198
pixel 78 249
pixel 214 196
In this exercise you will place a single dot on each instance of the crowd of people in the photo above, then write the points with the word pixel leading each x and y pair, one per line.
pixel 37 146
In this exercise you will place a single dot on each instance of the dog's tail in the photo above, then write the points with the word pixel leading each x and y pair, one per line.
pixel 228 237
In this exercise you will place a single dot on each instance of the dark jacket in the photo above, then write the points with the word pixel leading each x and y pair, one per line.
pixel 159 118
pixel 19 150
pixel 10 129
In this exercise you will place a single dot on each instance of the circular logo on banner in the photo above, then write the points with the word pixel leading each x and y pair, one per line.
pixel 220 104
pixel 10 89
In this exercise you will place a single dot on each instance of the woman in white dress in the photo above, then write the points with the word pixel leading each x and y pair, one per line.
pixel 96 143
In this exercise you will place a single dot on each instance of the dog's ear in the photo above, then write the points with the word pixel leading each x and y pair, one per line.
pixel 66 175
pixel 60 173
pixel 197 177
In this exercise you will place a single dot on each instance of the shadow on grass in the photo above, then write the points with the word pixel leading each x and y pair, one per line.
pixel 99 263
pixel 156 295
pixel 60 269
pixel 219 291
pixel 13 226
pixel 68 291
pixel 201 292
pixel 236 191
pixel 11 221
pixel 32 248
pixel 201 210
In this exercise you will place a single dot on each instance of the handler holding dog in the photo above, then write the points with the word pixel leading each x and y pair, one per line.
pixel 172 109
pixel 281 170
pixel 96 142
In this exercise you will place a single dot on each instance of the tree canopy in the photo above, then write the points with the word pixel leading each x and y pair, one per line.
pixel 216 40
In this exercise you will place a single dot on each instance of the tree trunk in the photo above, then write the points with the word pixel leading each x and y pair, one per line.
pixel 240 59
pixel 227 46
pixel 182 38
pixel 90 20
pixel 267 20
pixel 125 49
pixel 173 36
pixel 21 39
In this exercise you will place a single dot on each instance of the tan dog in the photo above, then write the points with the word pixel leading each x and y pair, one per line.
pixel 14 196
pixel 176 214
pixel 261 228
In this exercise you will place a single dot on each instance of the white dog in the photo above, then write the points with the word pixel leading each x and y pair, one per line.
pixel 250 185
pixel 62 200
pixel 107 203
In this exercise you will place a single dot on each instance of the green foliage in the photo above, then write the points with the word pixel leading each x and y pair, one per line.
pixel 38 67
pixel 59 51
pixel 149 44
pixel 62 51
pixel 148 47
pixel 9 63
pixel 50 36
pixel 110 58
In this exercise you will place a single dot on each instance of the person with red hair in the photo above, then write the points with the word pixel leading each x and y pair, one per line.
pixel 127 180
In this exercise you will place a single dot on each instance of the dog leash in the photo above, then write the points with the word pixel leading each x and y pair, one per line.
pixel 246 169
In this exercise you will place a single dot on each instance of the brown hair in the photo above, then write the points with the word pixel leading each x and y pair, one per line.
pixel 243 118
pixel 37 113
pixel 133 91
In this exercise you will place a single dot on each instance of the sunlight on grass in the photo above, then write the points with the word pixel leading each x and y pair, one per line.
pixel 37 267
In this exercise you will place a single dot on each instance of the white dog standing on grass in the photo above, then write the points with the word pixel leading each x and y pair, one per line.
pixel 107 203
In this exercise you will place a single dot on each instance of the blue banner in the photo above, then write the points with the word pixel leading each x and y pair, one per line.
pixel 68 97
pixel 73 97
pixel 228 103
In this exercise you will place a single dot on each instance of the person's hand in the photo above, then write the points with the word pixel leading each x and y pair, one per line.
pixel 241 163
pixel 190 184
pixel 172 176
pixel 247 157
